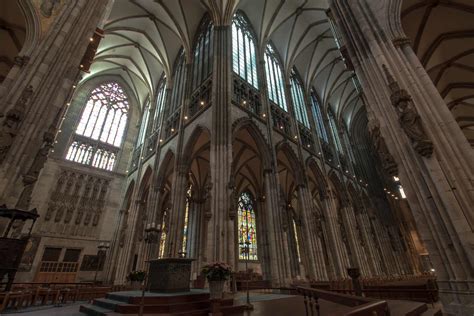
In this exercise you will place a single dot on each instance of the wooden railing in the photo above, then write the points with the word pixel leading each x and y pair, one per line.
pixel 37 294
pixel 360 305
pixel 415 289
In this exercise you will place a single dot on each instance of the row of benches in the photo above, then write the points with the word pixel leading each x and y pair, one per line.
pixel 24 297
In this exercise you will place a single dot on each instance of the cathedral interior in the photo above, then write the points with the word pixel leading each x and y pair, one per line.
pixel 290 139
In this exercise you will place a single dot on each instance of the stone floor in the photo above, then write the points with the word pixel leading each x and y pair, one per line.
pixel 264 305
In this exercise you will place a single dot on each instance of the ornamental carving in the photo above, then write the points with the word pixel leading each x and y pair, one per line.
pixel 11 124
pixel 409 118
pixel 77 199
pixel 386 159
pixel 31 176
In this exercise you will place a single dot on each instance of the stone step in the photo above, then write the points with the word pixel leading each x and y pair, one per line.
pixel 108 303
pixel 94 310
pixel 135 298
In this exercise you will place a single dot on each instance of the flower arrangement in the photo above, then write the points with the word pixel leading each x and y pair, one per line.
pixel 217 271
pixel 137 275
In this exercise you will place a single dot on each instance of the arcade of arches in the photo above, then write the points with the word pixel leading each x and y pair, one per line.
pixel 319 135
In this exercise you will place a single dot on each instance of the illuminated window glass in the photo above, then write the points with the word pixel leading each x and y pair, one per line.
pixel 202 62
pixel 335 133
pixel 299 103
pixel 244 59
pixel 318 117
pixel 164 229
pixel 297 241
pixel 144 125
pixel 247 227
pixel 179 77
pixel 186 220
pixel 160 103
pixel 274 76
pixel 100 131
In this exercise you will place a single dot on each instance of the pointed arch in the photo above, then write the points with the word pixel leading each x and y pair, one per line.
pixel 127 201
pixel 294 164
pixel 338 190
pixel 318 175
pixel 189 151
pixel 202 55
pixel 244 50
pixel 263 147
pixel 165 169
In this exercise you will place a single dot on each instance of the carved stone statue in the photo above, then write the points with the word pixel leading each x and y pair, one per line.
pixel 31 176
pixel 47 7
pixel 409 118
pixel 11 123
pixel 386 159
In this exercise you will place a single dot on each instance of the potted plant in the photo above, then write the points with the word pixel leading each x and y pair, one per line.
pixel 217 273
pixel 136 278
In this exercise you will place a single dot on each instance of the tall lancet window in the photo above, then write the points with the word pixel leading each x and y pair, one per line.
pixel 297 242
pixel 335 132
pixel 164 231
pixel 275 82
pixel 179 79
pixel 144 124
pixel 247 227
pixel 318 117
pixel 244 58
pixel 160 103
pixel 100 131
pixel 203 51
pixel 299 103
pixel 184 247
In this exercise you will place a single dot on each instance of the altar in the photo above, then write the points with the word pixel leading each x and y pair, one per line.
pixel 170 275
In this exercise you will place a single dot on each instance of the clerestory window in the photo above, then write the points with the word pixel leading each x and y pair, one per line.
pixel 244 58
pixel 274 74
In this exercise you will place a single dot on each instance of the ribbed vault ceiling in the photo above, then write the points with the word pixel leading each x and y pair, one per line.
pixel 143 38
pixel 442 35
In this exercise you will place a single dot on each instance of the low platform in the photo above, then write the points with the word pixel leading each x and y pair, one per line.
pixel 196 302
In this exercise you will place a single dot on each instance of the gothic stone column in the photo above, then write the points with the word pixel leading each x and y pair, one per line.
pixel 434 157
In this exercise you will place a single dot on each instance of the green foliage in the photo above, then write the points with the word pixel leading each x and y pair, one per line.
pixel 137 275
pixel 217 271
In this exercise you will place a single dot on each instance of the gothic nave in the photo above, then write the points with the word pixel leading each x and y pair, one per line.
pixel 289 139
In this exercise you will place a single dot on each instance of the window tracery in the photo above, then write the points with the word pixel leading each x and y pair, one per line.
pixel 244 57
pixel 247 227
pixel 275 81
pixel 299 103
pixel 186 219
pixel 100 131
pixel 203 55
pixel 318 117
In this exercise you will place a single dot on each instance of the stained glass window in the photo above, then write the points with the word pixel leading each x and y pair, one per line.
pixel 298 100
pixel 144 125
pixel 247 227
pixel 244 59
pixel 275 82
pixel 100 131
pixel 164 229
pixel 318 117
pixel 160 102
pixel 297 242
pixel 202 62
pixel 179 78
pixel 335 132
pixel 186 220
